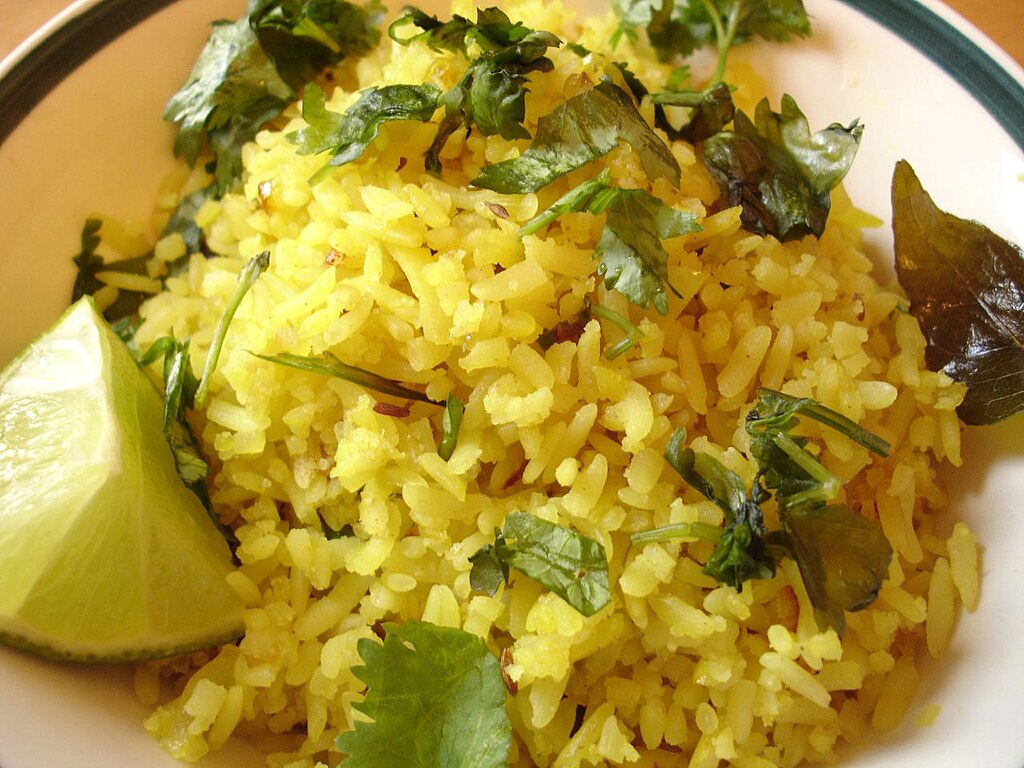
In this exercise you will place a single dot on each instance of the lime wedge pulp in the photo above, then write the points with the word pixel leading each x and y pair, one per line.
pixel 105 555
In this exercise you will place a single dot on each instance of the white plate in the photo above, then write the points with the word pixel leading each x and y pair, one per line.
pixel 95 142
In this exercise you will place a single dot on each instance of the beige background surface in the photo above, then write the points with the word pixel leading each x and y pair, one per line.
pixel 1002 20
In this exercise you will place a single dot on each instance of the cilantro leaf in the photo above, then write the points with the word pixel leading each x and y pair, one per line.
pixel 778 171
pixel 966 289
pixel 633 260
pixel 584 128
pixel 679 28
pixel 437 700
pixel 672 29
pixel 303 37
pixel 236 85
pixel 843 558
pixel 489 571
pixel 347 135
pixel 571 565
pixel 234 88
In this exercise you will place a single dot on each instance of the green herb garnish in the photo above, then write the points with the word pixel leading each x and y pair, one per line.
pixel 710 111
pixel 633 334
pixel 577 132
pixel 966 289
pixel 183 391
pixel 436 698
pixel 253 68
pixel 740 552
pixel 683 26
pixel 451 423
pixel 328 364
pixel 571 565
pixel 347 135
pixel 633 259
pixel 842 556
pixel 778 171
pixel 491 94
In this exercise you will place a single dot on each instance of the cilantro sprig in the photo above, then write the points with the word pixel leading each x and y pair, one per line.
pixel 633 259
pixel 347 135
pixel 491 94
pixel 842 556
pixel 679 27
pixel 184 391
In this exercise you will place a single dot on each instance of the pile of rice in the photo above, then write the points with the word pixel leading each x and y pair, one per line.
pixel 425 281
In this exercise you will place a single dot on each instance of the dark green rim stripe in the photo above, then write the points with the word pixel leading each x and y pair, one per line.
pixel 999 92
pixel 44 67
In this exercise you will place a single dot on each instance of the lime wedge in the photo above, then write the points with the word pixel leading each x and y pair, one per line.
pixel 105 555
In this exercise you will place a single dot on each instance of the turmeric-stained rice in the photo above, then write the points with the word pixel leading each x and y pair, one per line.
pixel 424 280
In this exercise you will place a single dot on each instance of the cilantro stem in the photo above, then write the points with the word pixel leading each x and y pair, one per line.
pixel 837 421
pixel 451 422
pixel 829 483
pixel 246 279
pixel 633 334
pixel 578 198
pixel 678 98
pixel 330 365
pixel 723 35
pixel 704 531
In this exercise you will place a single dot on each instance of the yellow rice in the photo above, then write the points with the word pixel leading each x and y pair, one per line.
pixel 420 280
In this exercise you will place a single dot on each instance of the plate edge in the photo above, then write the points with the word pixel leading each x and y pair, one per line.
pixel 992 85
pixel 59 48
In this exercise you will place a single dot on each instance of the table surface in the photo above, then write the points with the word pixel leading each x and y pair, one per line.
pixel 1001 20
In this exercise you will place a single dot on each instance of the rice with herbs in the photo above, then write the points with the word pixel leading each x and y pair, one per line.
pixel 424 280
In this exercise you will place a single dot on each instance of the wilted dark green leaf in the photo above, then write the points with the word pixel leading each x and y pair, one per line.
pixel 966 289
pixel 710 111
pixel 843 559
pixel 778 171
pixel 489 571
pixel 740 554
